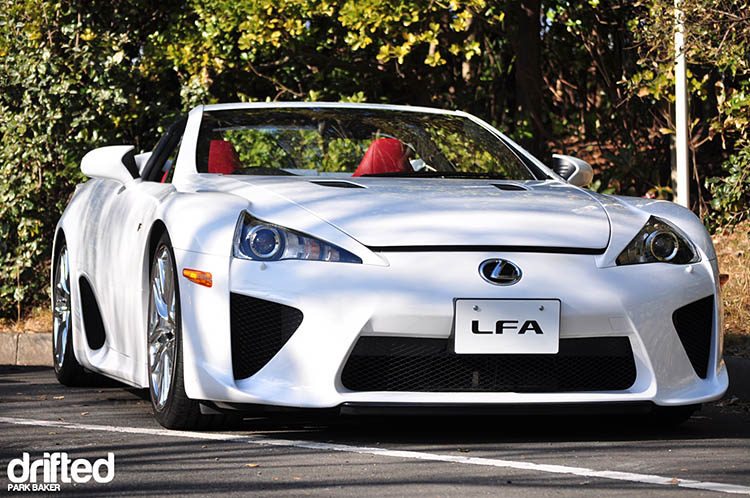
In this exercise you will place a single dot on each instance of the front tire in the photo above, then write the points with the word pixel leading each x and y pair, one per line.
pixel 67 369
pixel 172 407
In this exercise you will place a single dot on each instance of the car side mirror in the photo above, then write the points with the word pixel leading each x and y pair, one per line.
pixel 115 162
pixel 575 171
pixel 141 160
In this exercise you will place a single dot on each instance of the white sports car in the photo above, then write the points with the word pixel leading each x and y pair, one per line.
pixel 373 258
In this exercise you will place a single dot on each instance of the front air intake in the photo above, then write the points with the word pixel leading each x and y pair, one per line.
pixel 259 329
pixel 694 324
pixel 430 365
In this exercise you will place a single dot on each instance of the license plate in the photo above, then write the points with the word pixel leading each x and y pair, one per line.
pixel 507 326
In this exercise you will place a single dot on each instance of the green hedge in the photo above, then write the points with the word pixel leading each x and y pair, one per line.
pixel 76 75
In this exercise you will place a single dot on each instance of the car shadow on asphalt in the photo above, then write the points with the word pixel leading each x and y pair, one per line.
pixel 712 422
pixel 726 419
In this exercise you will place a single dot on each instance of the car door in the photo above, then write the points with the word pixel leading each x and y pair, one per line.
pixel 121 242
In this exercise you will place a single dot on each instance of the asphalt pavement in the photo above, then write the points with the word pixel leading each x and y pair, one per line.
pixel 709 455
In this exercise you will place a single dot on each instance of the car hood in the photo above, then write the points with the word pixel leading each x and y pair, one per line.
pixel 408 212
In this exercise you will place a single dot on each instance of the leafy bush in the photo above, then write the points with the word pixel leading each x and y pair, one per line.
pixel 731 193
pixel 70 81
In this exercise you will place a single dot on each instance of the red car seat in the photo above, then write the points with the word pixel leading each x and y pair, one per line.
pixel 384 155
pixel 222 158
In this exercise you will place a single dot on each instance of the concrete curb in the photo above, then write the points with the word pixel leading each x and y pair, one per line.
pixel 8 348
pixel 26 349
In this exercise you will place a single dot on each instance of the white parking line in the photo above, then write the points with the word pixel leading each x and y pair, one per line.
pixel 414 455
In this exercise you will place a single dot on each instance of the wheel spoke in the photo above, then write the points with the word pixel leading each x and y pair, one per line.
pixel 61 307
pixel 166 378
pixel 61 336
pixel 156 354
pixel 155 372
pixel 170 296
pixel 161 264
pixel 158 331
pixel 65 274
pixel 58 341
pixel 59 285
pixel 162 329
pixel 159 301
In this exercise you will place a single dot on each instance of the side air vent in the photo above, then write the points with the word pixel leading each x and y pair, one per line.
pixel 259 329
pixel 509 186
pixel 337 184
pixel 694 324
pixel 92 316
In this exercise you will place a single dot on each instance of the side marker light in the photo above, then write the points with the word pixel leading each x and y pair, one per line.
pixel 199 277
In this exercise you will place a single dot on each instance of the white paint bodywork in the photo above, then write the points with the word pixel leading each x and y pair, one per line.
pixel 109 226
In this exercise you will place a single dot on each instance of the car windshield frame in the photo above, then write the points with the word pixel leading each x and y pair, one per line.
pixel 272 141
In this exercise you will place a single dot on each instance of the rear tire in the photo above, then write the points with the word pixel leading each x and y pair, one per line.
pixel 172 407
pixel 67 369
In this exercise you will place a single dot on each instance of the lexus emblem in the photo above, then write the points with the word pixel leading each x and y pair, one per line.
pixel 500 272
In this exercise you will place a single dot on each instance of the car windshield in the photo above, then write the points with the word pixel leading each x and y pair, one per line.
pixel 352 141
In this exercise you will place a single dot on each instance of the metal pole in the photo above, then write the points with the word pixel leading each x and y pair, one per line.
pixel 681 174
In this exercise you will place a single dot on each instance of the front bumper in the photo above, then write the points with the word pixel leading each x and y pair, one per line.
pixel 412 295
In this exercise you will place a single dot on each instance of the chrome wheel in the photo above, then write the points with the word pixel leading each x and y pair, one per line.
pixel 61 308
pixel 162 326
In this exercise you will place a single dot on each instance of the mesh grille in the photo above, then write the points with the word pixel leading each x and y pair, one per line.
pixel 429 365
pixel 694 324
pixel 259 330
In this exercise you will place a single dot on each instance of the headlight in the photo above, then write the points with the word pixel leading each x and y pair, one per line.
pixel 658 241
pixel 266 242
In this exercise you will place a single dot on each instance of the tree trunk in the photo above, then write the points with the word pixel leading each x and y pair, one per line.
pixel 527 47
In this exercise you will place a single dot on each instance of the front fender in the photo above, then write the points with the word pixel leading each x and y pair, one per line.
pixel 203 222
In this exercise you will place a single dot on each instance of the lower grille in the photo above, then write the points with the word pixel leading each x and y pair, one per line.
pixel 259 329
pixel 694 324
pixel 429 365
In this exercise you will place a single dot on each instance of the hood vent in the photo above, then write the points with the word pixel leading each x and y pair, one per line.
pixel 509 186
pixel 336 183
